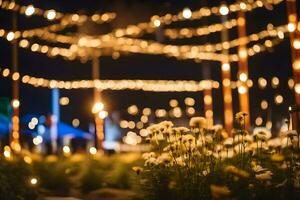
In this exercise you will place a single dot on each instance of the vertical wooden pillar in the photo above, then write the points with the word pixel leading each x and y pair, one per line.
pixel 15 132
pixel 97 99
pixel 226 80
pixel 243 75
pixel 294 33
pixel 208 105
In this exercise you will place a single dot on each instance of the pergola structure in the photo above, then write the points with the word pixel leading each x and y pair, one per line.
pixel 129 40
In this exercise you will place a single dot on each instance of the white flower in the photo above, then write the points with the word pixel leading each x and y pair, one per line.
pixel 228 142
pixel 198 122
pixel 291 133
pixel 164 158
pixel 258 168
pixel 264 176
pixel 262 133
pixel 151 161
pixel 240 117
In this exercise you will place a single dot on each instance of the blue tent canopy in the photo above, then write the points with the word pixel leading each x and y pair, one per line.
pixel 4 125
pixel 64 129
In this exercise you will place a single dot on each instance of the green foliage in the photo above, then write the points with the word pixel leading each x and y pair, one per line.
pixel 14 181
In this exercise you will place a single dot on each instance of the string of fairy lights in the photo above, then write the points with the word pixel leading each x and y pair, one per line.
pixel 144 85
pixel 186 14
pixel 202 52
pixel 52 14
pixel 138 45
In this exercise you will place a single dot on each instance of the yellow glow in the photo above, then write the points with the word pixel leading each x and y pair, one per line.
pixel 207 99
pixel 296 64
pixel 209 113
pixel 224 10
pixel 97 107
pixel 34 120
pixel 15 103
pixel 5 72
pixel 243 77
pixel 258 121
pixel 177 112
pixel 296 44
pixel 278 99
pixel 173 103
pixel 15 76
pixel 146 111
pixel 160 113
pixel 156 23
pixel 10 36
pixel 143 132
pixel 75 122
pixel 291 83
pixel 269 125
pixel 297 88
pixel 225 66
pixel 66 150
pixel 124 124
pixel 187 13
pixel 291 27
pixel 133 110
pixel 275 82
pixel 29 10
pixel 103 114
pixel 93 150
pixel 24 43
pixel 7 154
pixel 139 125
pixel 27 160
pixel 262 83
pixel 189 101
pixel 190 111
pixel 131 124
pixel 64 101
pixel 144 119
pixel 37 140
pixel 51 14
pixel 264 104
pixel 243 53
pixel 242 89
pixel 33 181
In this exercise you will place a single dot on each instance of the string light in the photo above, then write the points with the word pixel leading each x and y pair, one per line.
pixel 29 10
pixel 15 103
pixel 258 121
pixel 187 13
pixel 103 114
pixel 156 23
pixel 264 104
pixel 224 10
pixel 75 122
pixel 10 36
pixel 278 99
pixel 53 14
pixel 93 150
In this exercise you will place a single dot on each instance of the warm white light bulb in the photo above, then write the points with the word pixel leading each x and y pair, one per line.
pixel 29 10
pixel 187 13
pixel 224 10
pixel 51 14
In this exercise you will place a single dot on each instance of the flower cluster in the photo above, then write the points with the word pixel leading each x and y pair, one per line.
pixel 204 162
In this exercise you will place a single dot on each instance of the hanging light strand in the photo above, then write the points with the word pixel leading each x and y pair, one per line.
pixel 51 14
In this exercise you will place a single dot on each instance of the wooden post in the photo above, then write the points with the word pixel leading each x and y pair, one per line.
pixel 97 98
pixel 243 75
pixel 15 132
pixel 226 80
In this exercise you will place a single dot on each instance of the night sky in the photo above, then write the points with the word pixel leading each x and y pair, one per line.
pixel 136 66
